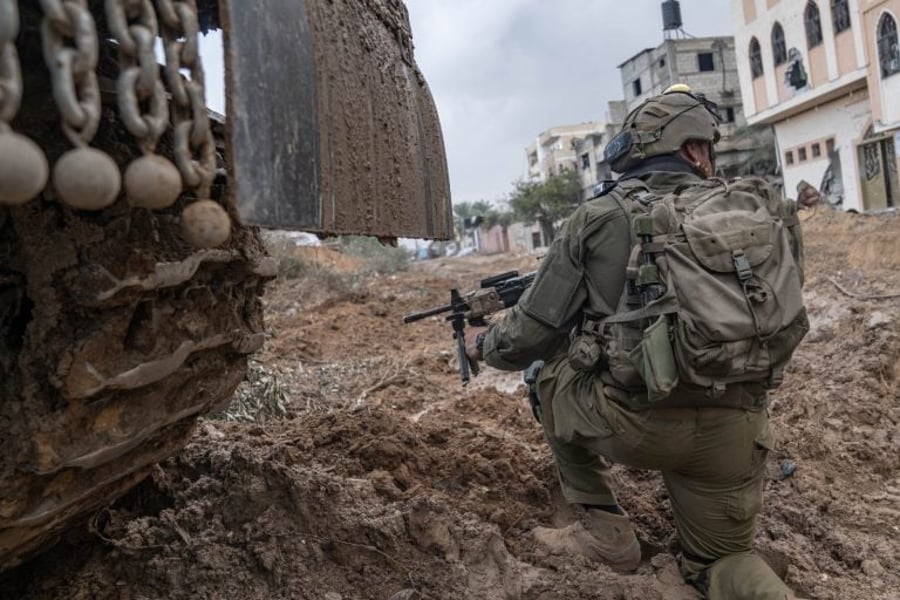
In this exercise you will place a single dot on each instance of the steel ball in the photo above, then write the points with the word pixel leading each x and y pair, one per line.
pixel 87 179
pixel 152 182
pixel 205 224
pixel 23 169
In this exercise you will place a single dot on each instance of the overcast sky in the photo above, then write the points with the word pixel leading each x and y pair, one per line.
pixel 503 71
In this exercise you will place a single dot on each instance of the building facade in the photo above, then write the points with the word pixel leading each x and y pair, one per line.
pixel 821 73
pixel 555 150
pixel 525 238
pixel 709 66
pixel 591 165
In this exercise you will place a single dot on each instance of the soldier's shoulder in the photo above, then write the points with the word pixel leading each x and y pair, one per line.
pixel 750 183
pixel 601 207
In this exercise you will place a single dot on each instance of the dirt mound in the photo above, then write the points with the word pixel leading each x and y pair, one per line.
pixel 385 479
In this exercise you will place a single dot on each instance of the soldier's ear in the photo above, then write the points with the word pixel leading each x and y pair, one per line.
pixel 691 152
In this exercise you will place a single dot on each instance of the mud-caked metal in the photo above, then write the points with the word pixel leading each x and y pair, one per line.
pixel 352 139
pixel 130 279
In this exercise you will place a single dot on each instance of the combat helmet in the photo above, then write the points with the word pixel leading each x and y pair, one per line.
pixel 660 125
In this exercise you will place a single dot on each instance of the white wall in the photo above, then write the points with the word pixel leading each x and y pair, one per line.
pixel 890 92
pixel 846 120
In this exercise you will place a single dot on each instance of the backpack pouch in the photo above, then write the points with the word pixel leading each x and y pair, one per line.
pixel 654 359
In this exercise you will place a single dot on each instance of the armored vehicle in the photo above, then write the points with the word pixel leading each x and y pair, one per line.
pixel 131 266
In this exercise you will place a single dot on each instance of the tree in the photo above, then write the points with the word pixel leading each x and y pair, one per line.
pixel 464 212
pixel 546 202
pixel 468 212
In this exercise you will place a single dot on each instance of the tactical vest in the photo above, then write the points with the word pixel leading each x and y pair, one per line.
pixel 712 294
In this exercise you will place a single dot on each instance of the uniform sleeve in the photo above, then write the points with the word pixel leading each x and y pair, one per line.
pixel 537 327
pixel 517 340
pixel 566 285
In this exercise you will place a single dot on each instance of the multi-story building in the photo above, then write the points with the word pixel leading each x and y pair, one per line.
pixel 879 152
pixel 821 72
pixel 591 165
pixel 708 65
pixel 554 150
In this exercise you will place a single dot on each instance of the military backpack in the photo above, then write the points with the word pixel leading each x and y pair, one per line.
pixel 712 294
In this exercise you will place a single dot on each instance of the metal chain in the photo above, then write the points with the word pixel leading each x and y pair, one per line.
pixel 134 27
pixel 71 47
pixel 195 152
pixel 10 70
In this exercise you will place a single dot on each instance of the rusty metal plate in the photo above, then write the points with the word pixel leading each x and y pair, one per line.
pixel 332 126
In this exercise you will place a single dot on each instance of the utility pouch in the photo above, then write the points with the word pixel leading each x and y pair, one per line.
pixel 531 377
pixel 655 360
pixel 584 353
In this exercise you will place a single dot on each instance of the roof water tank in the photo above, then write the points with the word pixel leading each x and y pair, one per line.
pixel 671 11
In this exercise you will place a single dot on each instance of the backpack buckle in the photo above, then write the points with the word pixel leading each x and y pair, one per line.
pixel 741 265
pixel 716 390
pixel 776 378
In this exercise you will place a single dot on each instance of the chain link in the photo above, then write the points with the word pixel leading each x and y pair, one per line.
pixel 9 21
pixel 71 47
pixel 134 26
pixel 56 12
pixel 194 146
pixel 10 70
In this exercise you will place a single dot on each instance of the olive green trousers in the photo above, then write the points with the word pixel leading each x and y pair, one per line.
pixel 712 461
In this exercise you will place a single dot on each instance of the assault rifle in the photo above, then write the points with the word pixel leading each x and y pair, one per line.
pixel 494 294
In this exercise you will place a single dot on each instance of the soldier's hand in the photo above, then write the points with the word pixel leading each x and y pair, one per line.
pixel 472 351
pixel 807 195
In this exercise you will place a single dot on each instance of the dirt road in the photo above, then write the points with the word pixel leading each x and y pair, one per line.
pixel 377 476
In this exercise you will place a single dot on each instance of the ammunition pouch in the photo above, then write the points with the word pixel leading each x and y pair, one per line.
pixel 585 348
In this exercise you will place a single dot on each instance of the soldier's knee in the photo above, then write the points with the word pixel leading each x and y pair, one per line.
pixel 743 576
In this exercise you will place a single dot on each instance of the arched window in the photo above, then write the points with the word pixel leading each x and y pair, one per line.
pixel 756 64
pixel 840 15
pixel 779 49
pixel 813 24
pixel 888 50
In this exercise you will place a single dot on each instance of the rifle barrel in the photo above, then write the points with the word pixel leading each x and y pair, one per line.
pixel 418 316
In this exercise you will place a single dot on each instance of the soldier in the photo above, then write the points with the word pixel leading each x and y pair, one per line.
pixel 711 449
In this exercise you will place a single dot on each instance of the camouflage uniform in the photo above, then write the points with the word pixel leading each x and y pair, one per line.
pixel 712 458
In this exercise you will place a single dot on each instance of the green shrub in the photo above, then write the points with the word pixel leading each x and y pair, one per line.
pixel 380 258
pixel 259 398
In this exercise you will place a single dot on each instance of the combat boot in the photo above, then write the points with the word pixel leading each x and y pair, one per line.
pixel 598 535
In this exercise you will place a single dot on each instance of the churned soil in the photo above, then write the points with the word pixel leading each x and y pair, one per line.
pixel 378 476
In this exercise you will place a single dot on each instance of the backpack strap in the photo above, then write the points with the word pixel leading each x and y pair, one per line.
pixel 641 226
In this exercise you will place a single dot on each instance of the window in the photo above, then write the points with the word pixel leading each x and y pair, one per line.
pixel 813 24
pixel 789 157
pixel 888 51
pixel 705 61
pixel 662 62
pixel 801 154
pixel 728 117
pixel 585 161
pixel 756 64
pixel 816 150
pixel 840 15
pixel 779 49
pixel 636 87
pixel 829 146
